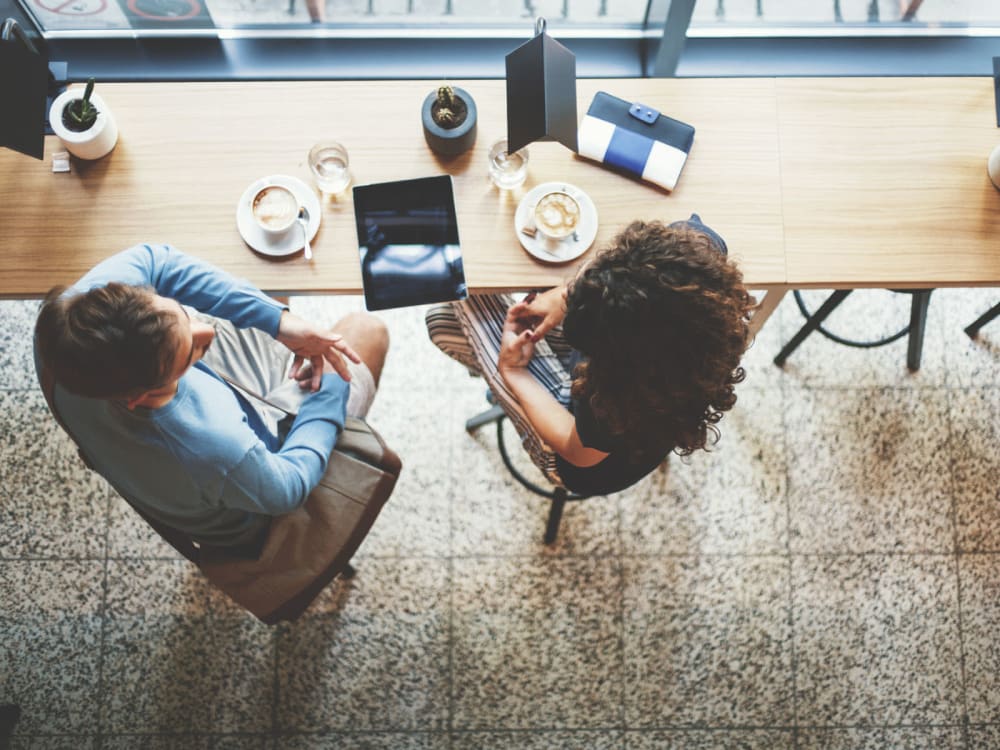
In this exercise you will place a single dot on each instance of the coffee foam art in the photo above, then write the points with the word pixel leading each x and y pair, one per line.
pixel 275 207
pixel 557 214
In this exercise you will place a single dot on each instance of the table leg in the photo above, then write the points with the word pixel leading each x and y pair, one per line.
pixel 918 324
pixel 772 298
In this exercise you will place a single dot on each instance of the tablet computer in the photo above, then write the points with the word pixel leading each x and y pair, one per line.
pixel 408 241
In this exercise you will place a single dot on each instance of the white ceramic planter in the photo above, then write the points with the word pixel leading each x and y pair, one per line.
pixel 993 167
pixel 89 144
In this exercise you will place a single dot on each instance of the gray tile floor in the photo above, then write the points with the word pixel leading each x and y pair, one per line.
pixel 827 578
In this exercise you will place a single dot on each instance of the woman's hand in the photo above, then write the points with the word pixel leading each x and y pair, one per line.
pixel 318 347
pixel 516 345
pixel 541 312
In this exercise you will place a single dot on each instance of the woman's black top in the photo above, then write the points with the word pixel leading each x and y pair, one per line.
pixel 614 473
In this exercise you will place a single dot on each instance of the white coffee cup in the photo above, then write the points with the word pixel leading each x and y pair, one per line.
pixel 557 215
pixel 275 209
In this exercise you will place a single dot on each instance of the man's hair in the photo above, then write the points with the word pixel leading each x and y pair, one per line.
pixel 662 318
pixel 109 342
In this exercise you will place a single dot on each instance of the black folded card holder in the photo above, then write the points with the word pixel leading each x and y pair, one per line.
pixel 996 87
pixel 635 138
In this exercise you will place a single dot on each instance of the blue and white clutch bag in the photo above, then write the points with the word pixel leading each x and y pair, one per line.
pixel 635 138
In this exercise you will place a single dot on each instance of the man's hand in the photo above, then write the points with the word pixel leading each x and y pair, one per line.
pixel 304 376
pixel 541 312
pixel 516 344
pixel 318 347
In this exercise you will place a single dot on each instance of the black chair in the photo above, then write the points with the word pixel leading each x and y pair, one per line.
pixel 986 317
pixel 558 495
pixel 9 716
pixel 814 321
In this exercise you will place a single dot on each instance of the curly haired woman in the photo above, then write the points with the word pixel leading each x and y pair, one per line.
pixel 636 357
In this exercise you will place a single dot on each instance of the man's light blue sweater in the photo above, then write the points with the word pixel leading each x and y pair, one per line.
pixel 204 463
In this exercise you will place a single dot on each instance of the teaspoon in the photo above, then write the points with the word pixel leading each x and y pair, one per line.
pixel 304 223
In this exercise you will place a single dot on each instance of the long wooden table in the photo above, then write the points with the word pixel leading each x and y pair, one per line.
pixel 187 152
pixel 843 182
pixel 884 182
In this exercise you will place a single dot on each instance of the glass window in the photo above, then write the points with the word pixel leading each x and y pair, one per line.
pixel 433 17
pixel 827 17
pixel 464 18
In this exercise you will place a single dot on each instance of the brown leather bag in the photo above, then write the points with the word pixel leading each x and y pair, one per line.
pixel 307 548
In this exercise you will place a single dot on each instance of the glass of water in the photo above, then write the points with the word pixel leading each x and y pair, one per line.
pixel 507 170
pixel 329 164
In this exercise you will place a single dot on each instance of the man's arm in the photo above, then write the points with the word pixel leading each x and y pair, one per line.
pixel 277 483
pixel 211 290
pixel 191 282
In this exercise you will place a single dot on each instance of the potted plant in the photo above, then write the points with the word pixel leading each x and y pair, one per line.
pixel 449 118
pixel 84 124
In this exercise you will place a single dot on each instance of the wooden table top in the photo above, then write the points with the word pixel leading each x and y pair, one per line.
pixel 187 151
pixel 835 182
pixel 884 182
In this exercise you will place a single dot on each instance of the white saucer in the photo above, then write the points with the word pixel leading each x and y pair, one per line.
pixel 291 241
pixel 556 251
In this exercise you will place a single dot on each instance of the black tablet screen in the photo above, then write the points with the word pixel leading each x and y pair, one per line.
pixel 408 239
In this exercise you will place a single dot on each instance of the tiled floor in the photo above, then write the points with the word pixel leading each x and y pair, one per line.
pixel 828 578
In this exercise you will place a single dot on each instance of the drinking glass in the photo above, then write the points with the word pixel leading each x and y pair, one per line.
pixel 507 170
pixel 329 164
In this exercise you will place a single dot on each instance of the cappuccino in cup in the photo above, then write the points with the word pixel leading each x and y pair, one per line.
pixel 275 209
pixel 557 215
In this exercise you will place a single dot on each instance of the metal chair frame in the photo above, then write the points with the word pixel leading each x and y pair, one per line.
pixel 558 495
pixel 973 329
pixel 814 321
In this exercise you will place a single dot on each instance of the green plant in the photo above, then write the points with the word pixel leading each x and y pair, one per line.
pixel 449 111
pixel 80 114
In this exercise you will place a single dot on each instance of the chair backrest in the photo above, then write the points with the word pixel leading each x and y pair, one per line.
pixel 174 537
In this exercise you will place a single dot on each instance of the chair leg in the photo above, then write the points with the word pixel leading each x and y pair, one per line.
pixel 986 317
pixel 814 322
pixel 9 715
pixel 490 415
pixel 558 495
pixel 555 514
pixel 918 324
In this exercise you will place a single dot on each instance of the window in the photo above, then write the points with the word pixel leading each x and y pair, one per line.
pixel 469 38
pixel 434 18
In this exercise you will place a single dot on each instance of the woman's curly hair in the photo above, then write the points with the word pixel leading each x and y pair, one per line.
pixel 661 317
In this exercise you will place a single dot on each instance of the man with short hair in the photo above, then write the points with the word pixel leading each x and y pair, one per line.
pixel 154 354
